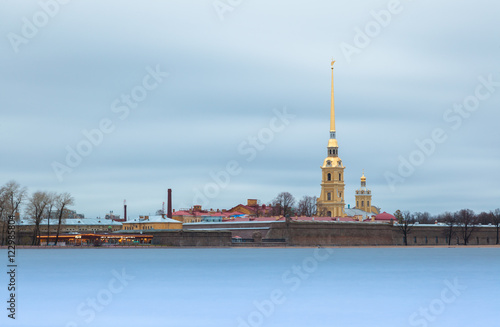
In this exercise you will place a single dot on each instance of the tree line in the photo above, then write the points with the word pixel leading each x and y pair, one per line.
pixel 39 205
pixel 284 204
pixel 461 223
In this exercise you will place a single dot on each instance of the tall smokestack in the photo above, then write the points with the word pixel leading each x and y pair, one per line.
pixel 124 210
pixel 169 213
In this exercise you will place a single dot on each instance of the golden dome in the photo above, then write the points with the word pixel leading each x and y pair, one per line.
pixel 363 178
pixel 332 143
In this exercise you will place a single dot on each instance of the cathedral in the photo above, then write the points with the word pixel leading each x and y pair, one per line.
pixel 331 200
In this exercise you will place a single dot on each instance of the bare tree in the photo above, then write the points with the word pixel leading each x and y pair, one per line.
pixel 467 221
pixel 322 212
pixel 484 218
pixel 3 209
pixel 12 195
pixel 405 223
pixel 495 219
pixel 284 203
pixel 451 222
pixel 423 217
pixel 36 209
pixel 276 209
pixel 63 201
pixel 50 207
pixel 307 206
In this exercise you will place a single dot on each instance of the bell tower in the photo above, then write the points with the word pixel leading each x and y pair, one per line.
pixel 331 200
pixel 364 196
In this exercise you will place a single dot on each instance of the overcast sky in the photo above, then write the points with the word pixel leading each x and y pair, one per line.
pixel 114 100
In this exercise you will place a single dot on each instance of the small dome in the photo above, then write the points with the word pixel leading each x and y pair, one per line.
pixel 332 143
pixel 363 178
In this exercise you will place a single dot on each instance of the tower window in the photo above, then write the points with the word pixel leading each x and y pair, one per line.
pixel 329 196
pixel 329 213
pixel 357 204
pixel 362 203
pixel 368 203
pixel 340 195
pixel 340 177
pixel 329 177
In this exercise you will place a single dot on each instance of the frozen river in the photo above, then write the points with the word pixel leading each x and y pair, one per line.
pixel 255 287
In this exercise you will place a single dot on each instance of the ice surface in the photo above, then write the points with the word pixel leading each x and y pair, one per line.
pixel 255 287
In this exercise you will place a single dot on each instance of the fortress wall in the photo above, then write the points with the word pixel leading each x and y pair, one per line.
pixel 191 238
pixel 359 234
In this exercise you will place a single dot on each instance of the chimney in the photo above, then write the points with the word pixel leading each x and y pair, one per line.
pixel 169 213
pixel 124 210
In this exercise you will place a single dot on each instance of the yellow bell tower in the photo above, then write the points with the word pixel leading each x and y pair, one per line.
pixel 364 196
pixel 331 200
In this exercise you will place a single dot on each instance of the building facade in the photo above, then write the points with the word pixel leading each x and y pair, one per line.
pixel 152 222
pixel 72 225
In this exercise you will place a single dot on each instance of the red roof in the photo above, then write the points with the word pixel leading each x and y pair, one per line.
pixel 324 218
pixel 181 213
pixel 237 219
pixel 384 216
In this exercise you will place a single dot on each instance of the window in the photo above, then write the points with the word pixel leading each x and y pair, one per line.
pixel 368 203
pixel 415 240
pixel 426 240
pixel 329 213
pixel 437 240
pixel 329 196
pixel 477 240
pixel 340 195
pixel 329 177
pixel 357 204
pixel 362 203
pixel 340 177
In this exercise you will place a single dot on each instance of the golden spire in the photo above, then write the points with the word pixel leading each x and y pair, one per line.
pixel 332 107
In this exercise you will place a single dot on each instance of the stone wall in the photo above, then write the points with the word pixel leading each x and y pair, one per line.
pixel 310 234
pixel 319 233
pixel 359 234
pixel 191 238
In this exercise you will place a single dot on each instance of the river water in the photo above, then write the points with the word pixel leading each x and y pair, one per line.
pixel 254 287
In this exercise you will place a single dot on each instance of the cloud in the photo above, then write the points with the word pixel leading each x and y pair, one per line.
pixel 226 77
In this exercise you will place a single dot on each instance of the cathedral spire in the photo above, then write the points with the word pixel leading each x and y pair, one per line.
pixel 333 147
pixel 331 200
pixel 332 111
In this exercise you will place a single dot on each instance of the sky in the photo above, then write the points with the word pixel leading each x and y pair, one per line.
pixel 224 101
